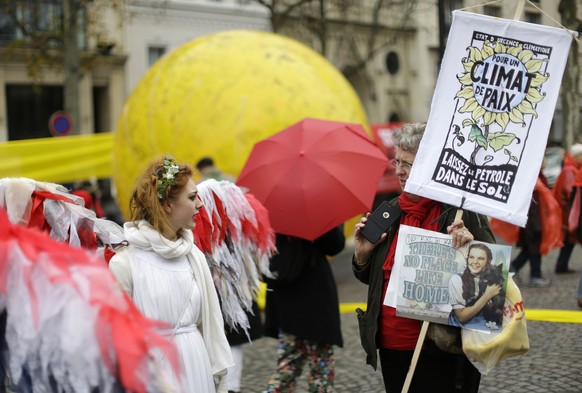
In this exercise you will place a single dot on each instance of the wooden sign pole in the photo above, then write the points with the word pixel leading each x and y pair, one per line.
pixel 519 9
pixel 415 356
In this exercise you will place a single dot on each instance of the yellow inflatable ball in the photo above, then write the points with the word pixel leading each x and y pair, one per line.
pixel 220 94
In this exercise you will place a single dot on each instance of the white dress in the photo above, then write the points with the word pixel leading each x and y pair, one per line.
pixel 164 289
pixel 158 274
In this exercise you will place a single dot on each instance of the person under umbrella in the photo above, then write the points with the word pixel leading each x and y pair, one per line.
pixel 381 331
pixel 302 311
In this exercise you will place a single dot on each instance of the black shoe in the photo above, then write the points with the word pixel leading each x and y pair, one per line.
pixel 565 271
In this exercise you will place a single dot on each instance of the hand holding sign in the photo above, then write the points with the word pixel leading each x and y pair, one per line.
pixel 460 234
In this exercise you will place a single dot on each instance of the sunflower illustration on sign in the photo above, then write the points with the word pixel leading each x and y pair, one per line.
pixel 498 99
pixel 500 85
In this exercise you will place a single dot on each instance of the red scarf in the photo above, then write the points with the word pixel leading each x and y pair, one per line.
pixel 396 332
pixel 419 214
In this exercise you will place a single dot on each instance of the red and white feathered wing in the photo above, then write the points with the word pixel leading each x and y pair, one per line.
pixel 68 321
pixel 51 208
pixel 234 232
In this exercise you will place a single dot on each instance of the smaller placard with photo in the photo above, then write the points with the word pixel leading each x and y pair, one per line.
pixel 435 282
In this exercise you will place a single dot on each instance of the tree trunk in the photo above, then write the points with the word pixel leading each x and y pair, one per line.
pixel 71 62
pixel 322 24
pixel 570 106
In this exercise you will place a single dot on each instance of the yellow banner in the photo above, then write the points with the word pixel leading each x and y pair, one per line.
pixel 531 314
pixel 563 316
pixel 58 159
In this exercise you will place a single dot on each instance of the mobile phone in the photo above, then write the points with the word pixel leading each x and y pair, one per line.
pixel 379 221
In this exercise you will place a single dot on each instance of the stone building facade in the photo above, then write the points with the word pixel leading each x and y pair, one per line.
pixel 390 54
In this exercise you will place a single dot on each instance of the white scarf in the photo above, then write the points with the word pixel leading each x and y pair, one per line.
pixel 145 237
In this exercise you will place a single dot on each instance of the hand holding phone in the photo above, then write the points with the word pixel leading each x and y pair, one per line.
pixel 379 221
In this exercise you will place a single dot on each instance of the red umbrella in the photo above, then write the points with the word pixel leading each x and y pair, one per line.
pixel 314 175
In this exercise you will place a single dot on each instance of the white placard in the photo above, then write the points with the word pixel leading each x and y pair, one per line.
pixel 490 115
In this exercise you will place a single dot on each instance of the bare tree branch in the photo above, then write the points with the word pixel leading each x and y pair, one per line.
pixel 318 23
pixel 267 4
pixel 278 19
pixel 376 27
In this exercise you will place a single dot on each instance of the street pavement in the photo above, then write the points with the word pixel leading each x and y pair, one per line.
pixel 553 363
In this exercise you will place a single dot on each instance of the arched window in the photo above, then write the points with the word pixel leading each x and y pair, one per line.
pixel 394 117
pixel 392 63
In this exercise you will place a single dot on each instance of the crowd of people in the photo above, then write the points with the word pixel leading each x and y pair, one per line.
pixel 167 277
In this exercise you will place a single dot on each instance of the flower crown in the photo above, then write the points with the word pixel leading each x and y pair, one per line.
pixel 165 175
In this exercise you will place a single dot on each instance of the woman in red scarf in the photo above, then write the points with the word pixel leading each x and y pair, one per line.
pixel 381 331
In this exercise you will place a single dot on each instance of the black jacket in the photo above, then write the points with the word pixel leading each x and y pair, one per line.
pixel 530 237
pixel 255 331
pixel 303 301
pixel 373 275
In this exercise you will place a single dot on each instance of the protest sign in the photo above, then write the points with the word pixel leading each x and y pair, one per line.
pixel 490 115
pixel 430 278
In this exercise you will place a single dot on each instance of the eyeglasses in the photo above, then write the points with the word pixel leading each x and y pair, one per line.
pixel 402 164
